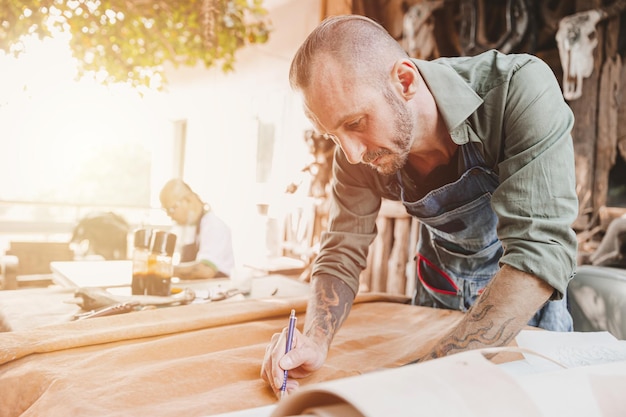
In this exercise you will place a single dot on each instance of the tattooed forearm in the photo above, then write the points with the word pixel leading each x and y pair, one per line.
pixel 481 309
pixel 479 328
pixel 498 315
pixel 475 331
pixel 486 335
pixel 328 308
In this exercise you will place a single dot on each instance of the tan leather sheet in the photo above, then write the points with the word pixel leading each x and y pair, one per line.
pixel 193 360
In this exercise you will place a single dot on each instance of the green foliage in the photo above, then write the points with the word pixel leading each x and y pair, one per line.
pixel 129 41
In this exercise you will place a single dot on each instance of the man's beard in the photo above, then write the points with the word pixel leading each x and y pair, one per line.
pixel 402 129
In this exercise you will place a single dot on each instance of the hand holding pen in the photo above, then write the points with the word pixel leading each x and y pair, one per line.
pixel 306 356
pixel 290 331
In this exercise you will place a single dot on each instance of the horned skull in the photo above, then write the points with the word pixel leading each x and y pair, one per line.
pixel 418 30
pixel 576 39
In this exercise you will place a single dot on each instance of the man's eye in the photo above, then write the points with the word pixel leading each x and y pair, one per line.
pixel 354 125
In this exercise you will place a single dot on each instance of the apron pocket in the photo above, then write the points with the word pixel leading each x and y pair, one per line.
pixel 476 266
pixel 433 278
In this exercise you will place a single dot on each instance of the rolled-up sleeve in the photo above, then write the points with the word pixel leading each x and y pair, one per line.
pixel 536 201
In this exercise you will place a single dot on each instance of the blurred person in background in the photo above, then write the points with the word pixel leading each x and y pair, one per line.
pixel 210 254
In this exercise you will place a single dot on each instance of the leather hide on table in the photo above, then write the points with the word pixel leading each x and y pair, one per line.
pixel 193 360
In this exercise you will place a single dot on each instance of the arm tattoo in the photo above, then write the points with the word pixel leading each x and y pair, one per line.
pixel 478 328
pixel 501 311
pixel 329 306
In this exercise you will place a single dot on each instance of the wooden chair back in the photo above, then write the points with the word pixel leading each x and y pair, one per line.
pixel 390 261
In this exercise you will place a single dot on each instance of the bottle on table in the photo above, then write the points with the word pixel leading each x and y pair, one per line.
pixel 160 267
pixel 141 252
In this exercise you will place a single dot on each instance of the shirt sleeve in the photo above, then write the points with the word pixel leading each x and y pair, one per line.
pixel 354 205
pixel 536 201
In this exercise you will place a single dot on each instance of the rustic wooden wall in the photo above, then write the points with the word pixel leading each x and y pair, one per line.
pixel 599 112
pixel 599 133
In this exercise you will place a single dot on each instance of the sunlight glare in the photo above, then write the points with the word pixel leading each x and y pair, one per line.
pixel 53 121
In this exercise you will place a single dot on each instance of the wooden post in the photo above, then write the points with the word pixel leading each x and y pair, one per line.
pixel 606 145
pixel 584 132
pixel 396 271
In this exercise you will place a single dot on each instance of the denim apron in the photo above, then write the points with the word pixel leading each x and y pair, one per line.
pixel 458 249
pixel 189 252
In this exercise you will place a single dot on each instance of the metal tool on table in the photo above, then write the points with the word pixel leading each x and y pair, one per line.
pixel 98 302
pixel 118 308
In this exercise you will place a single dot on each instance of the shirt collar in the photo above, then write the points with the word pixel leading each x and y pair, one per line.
pixel 455 99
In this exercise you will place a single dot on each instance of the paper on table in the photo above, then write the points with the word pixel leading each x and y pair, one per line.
pixel 593 390
pixel 446 386
pixel 571 349
pixel 593 382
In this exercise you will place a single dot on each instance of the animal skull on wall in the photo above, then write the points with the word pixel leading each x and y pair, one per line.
pixel 576 39
pixel 418 30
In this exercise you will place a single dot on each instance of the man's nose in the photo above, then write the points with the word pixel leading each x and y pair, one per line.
pixel 353 148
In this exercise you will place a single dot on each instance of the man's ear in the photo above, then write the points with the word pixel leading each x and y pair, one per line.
pixel 404 76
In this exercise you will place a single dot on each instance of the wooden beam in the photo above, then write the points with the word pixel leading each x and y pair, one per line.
pixel 606 145
pixel 585 137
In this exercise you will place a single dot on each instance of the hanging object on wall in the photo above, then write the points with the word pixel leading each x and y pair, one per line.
pixel 576 40
pixel 479 31
pixel 418 30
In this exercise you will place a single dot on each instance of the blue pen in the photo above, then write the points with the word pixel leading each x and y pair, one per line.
pixel 290 330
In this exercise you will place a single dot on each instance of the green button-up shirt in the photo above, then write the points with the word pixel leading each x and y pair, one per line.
pixel 513 108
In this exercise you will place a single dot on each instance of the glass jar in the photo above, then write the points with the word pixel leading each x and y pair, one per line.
pixel 160 266
pixel 141 252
